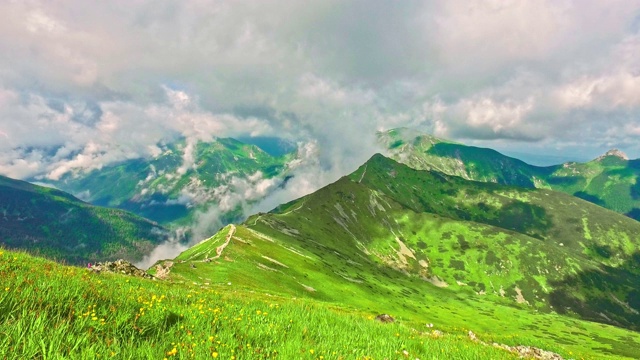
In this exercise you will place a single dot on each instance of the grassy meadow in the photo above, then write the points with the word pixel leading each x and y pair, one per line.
pixel 50 311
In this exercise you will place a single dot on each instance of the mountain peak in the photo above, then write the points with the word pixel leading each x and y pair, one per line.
pixel 398 139
pixel 614 152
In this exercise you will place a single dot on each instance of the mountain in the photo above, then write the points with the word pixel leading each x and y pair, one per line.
pixel 435 248
pixel 610 180
pixel 55 224
pixel 183 178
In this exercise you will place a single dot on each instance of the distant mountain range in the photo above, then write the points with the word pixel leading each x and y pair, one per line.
pixel 56 225
pixel 184 178
pixel 610 180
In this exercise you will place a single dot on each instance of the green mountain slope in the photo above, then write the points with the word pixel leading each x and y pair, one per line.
pixel 610 181
pixel 55 224
pixel 433 248
pixel 183 178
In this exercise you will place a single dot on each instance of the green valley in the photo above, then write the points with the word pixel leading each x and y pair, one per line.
pixel 182 178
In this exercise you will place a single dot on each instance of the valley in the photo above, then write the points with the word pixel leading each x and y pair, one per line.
pixel 183 179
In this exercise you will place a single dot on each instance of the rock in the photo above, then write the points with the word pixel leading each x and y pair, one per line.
pixel 385 318
pixel 163 270
pixel 613 152
pixel 530 352
pixel 120 267
pixel 535 353
pixel 472 336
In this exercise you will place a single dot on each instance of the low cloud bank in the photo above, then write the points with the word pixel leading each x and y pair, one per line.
pixel 249 195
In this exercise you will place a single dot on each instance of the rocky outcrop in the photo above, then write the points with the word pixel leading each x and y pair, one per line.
pixel 613 152
pixel 530 352
pixel 527 352
pixel 163 270
pixel 120 267
pixel 385 318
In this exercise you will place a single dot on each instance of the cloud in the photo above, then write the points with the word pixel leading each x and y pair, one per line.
pixel 144 72
pixel 485 118
pixel 242 196
pixel 605 92
pixel 238 194
pixel 52 140
pixel 167 250
pixel 85 85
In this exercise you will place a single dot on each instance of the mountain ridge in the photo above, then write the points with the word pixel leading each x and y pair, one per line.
pixel 56 224
pixel 610 180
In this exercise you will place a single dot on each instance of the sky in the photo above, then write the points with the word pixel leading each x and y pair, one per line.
pixel 84 84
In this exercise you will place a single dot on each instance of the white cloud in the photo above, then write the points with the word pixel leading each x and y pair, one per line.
pixel 188 158
pixel 83 85
pixel 122 130
pixel 500 30
pixel 486 118
pixel 167 250
pixel 606 92
pixel 492 36
pixel 40 22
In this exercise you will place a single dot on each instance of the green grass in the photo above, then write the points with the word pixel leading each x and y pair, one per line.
pixel 49 311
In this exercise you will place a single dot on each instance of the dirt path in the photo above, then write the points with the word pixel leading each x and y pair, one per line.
pixel 219 249
pixel 296 209
pixel 363 173
pixel 256 220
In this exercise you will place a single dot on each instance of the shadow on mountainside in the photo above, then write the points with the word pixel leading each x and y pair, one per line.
pixel 609 295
